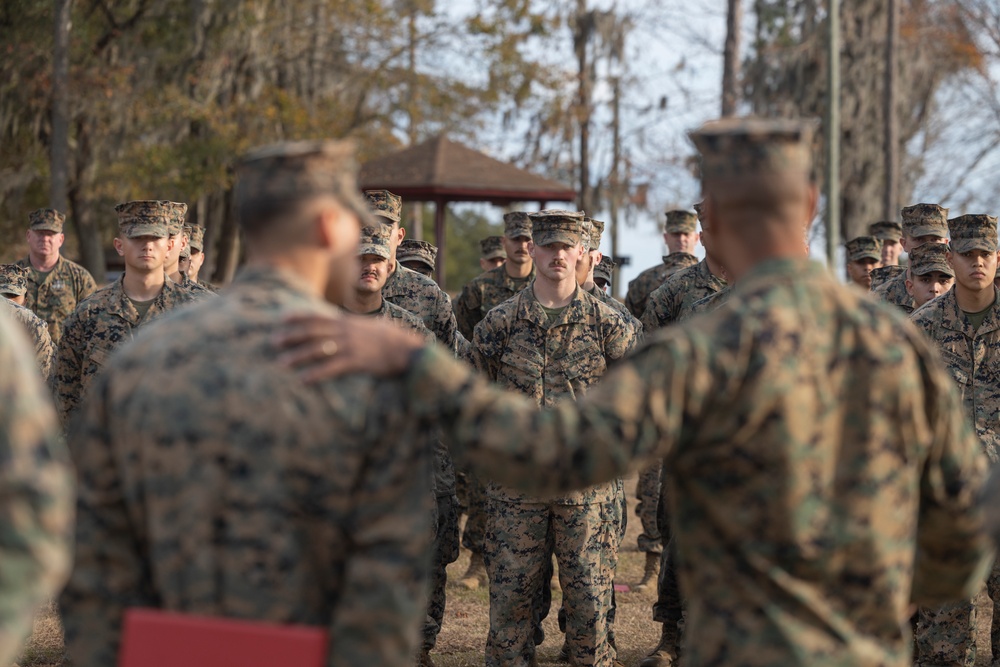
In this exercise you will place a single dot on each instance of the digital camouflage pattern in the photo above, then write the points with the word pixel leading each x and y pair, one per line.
pixel 556 225
pixel 763 388
pixel 491 247
pixel 709 303
pixel 37 332
pixel 973 232
pixel 213 481
pixel 885 273
pixel 101 324
pixel 421 296
pixel 925 220
pixel 517 347
pixel 886 230
pixel 53 296
pixel 13 280
pixel 385 204
pixel 863 247
pixel 36 516
pixel 605 269
pixel 647 492
pixel 417 251
pixel 680 222
pixel 678 294
pixel 930 257
pixel 734 147
pixel 176 214
pixel 47 220
pixel 148 217
pixel 196 236
pixel 893 291
pixel 973 359
pixel 643 285
pixel 605 298
pixel 484 293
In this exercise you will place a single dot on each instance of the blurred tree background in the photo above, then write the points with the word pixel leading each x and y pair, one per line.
pixel 161 95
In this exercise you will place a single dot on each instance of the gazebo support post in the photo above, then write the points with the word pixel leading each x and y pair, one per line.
pixel 439 213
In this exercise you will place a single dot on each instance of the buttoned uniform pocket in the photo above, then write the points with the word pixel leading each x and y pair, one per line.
pixel 581 368
pixel 521 369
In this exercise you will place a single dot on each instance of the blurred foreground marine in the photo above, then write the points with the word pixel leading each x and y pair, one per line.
pixel 825 473
pixel 55 284
pixel 964 324
pixel 213 481
pixel 36 512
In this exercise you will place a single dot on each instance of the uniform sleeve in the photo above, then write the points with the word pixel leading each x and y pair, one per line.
pixel 953 551
pixel 466 308
pixel 45 350
pixel 446 327
pixel 108 574
pixel 633 416
pixel 633 300
pixel 36 497
pixel 655 315
pixel 386 582
pixel 66 379
pixel 487 343
pixel 620 337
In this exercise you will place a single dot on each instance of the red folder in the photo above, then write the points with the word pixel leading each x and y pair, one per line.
pixel 153 638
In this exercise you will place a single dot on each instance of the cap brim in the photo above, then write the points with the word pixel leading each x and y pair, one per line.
pixel 894 238
pixel 942 267
pixel 15 291
pixel 547 238
pixel 681 230
pixel 965 245
pixel 496 254
pixel 866 255
pixel 928 230
pixel 420 260
pixel 518 234
pixel 135 231
pixel 47 227
pixel 377 250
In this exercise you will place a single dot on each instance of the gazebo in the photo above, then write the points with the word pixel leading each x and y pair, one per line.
pixel 443 171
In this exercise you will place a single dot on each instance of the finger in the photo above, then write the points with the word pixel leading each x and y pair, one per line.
pixel 306 332
pixel 308 353
pixel 330 367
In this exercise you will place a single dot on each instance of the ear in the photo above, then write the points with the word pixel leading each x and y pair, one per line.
pixel 119 246
pixel 947 257
pixel 909 287
pixel 401 234
pixel 170 243
pixel 531 249
pixel 62 239
pixel 812 200
pixel 598 256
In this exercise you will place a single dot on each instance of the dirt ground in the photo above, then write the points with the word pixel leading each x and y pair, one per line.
pixel 463 637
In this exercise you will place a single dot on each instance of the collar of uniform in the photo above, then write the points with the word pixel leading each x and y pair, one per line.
pixel 512 283
pixel 528 308
pixel 953 319
pixel 708 277
pixel 800 267
pixel 394 280
pixel 26 262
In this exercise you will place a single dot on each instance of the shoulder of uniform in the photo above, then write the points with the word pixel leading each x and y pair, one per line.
pixel 933 310
pixel 99 297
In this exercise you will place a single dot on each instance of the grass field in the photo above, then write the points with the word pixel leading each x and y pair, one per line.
pixel 463 637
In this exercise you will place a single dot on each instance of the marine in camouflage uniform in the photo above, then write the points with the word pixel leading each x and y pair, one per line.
pixel 680 292
pixel 922 223
pixel 594 230
pixel 604 271
pixel 864 253
pixel 13 285
pixel 215 482
pixel 809 475
pixel 109 317
pixel 678 224
pixel 178 231
pixel 36 515
pixel 196 244
pixel 366 299
pixel 419 256
pixel 883 274
pixel 890 233
pixel 970 346
pixel 408 289
pixel 551 357
pixel 481 295
pixel 54 294
pixel 491 253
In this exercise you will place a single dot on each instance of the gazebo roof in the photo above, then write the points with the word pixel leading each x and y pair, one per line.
pixel 442 170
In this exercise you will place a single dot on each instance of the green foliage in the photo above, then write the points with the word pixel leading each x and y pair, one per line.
pixel 465 227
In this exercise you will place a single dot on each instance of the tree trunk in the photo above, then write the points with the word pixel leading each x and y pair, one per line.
pixel 891 209
pixel 88 227
pixel 229 242
pixel 581 41
pixel 731 59
pixel 59 150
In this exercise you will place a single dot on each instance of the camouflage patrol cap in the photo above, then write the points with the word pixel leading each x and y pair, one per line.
pixel 13 279
pixel 411 250
pixel 699 209
pixel 557 226
pixel 385 204
pixel 886 230
pixel 196 236
pixel 596 231
pixel 925 220
pixel 863 247
pixel 144 218
pixel 884 274
pixel 286 173
pixel 177 211
pixel 605 269
pixel 681 222
pixel 930 257
pixel 375 241
pixel 46 219
pixel 492 247
pixel 588 225
pixel 516 224
pixel 738 147
pixel 973 232
pixel 679 260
